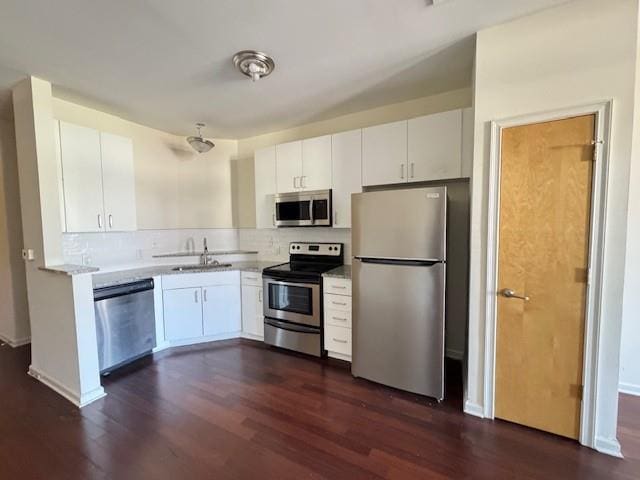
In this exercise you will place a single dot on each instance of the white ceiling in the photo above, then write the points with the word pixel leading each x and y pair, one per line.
pixel 167 63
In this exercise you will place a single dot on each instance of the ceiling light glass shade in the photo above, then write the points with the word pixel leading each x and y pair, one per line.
pixel 198 143
pixel 253 64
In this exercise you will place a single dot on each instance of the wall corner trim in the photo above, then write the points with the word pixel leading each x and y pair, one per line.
pixel 474 409
pixel 609 446
pixel 15 343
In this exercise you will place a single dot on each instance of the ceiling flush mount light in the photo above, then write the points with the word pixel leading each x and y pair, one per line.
pixel 254 65
pixel 198 143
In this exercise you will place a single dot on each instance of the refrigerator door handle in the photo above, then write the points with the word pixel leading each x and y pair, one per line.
pixel 427 262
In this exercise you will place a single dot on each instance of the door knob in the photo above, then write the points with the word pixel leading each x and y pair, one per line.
pixel 507 292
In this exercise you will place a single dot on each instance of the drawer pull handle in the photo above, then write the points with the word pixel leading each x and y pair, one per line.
pixel 341 319
pixel 339 341
pixel 339 287
pixel 251 278
pixel 339 303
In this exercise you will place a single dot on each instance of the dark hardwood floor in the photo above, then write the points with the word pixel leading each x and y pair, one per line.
pixel 237 409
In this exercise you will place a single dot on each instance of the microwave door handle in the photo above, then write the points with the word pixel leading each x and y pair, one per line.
pixel 311 212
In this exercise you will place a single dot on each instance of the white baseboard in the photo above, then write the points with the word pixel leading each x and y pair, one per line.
pixel 629 388
pixel 15 343
pixel 161 346
pixel 454 354
pixel 474 409
pixel 195 341
pixel 340 356
pixel 609 446
pixel 68 393
pixel 251 336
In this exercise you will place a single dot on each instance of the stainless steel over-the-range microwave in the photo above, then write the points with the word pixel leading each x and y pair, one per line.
pixel 303 209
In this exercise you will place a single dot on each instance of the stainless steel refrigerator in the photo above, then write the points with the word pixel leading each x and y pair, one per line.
pixel 399 271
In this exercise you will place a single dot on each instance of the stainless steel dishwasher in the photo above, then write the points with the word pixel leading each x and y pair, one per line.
pixel 125 323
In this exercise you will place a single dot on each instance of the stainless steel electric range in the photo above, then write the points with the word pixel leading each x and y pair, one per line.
pixel 293 293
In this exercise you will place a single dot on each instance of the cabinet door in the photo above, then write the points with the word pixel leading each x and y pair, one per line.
pixel 252 310
pixel 82 178
pixel 265 186
pixel 435 146
pixel 316 163
pixel 221 309
pixel 182 313
pixel 118 182
pixel 384 154
pixel 346 159
pixel 288 167
pixel 259 318
pixel 467 142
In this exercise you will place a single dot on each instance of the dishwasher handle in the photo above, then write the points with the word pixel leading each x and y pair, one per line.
pixel 105 293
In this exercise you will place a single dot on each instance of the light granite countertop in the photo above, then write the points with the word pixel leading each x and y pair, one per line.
pixel 343 271
pixel 69 269
pixel 101 280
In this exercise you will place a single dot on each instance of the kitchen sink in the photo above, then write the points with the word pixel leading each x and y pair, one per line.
pixel 211 266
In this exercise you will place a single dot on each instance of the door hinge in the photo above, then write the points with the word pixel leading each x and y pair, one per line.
pixel 596 144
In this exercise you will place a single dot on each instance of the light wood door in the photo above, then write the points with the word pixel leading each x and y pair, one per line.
pixel 346 158
pixel 316 163
pixel 221 309
pixel 435 146
pixel 265 186
pixel 384 154
pixel 288 166
pixel 118 180
pixel 82 178
pixel 182 313
pixel 545 201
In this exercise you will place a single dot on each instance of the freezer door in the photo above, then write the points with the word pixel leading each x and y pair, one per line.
pixel 398 325
pixel 407 223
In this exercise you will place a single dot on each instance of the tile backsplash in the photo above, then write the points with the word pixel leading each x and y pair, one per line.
pixel 273 244
pixel 130 248
pixel 136 248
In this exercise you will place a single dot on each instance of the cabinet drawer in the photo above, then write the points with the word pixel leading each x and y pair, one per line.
pixel 337 318
pixel 189 280
pixel 337 339
pixel 337 302
pixel 337 286
pixel 252 279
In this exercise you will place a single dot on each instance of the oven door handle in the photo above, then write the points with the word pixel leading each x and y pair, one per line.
pixel 289 326
pixel 311 212
pixel 301 283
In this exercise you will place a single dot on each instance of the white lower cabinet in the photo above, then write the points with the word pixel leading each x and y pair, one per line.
pixel 252 305
pixel 198 306
pixel 182 313
pixel 221 309
pixel 337 317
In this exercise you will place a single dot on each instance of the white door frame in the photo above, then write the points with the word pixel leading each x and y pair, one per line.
pixel 602 112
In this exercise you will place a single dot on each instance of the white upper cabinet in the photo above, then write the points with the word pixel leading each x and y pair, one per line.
pixel 98 180
pixel 265 186
pixel 118 180
pixel 346 159
pixel 82 178
pixel 384 154
pixel 435 147
pixel 316 163
pixel 288 167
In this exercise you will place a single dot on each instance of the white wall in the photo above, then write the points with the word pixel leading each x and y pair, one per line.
pixel 58 320
pixel 630 351
pixel 578 53
pixel 175 186
pixel 14 313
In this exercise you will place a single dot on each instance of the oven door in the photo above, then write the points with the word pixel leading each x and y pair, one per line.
pixel 303 209
pixel 292 301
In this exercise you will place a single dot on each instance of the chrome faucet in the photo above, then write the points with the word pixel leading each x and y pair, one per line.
pixel 204 258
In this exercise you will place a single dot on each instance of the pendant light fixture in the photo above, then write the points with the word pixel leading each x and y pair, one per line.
pixel 253 64
pixel 198 143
